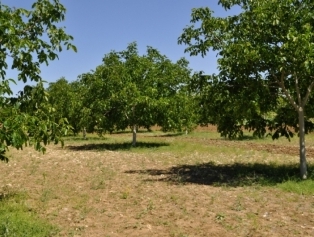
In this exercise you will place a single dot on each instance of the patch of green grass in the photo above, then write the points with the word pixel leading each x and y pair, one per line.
pixel 17 220
pixel 303 187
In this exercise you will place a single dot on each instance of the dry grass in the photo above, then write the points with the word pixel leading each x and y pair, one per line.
pixel 194 185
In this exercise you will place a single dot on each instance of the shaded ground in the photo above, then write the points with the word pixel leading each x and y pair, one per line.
pixel 232 175
pixel 116 146
pixel 168 186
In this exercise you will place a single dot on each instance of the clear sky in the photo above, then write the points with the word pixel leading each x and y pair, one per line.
pixel 99 26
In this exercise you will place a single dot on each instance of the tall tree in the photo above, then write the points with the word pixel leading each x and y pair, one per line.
pixel 29 38
pixel 129 90
pixel 268 46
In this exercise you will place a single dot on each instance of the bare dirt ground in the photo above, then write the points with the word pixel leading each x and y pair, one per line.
pixel 102 192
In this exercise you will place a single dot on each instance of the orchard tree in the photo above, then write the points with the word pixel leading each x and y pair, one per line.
pixel 60 97
pixel 129 90
pixel 268 46
pixel 67 99
pixel 29 38
pixel 80 114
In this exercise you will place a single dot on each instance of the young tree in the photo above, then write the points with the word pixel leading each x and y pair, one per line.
pixel 29 38
pixel 268 46
pixel 129 90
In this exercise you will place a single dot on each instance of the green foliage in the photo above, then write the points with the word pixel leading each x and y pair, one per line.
pixel 130 90
pixel 22 37
pixel 27 118
pixel 231 108
pixel 265 54
pixel 67 99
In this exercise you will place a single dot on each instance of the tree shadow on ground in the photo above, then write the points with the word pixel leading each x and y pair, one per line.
pixel 232 175
pixel 117 146
pixel 79 138
pixel 130 131
pixel 248 138
pixel 244 138
pixel 6 196
pixel 170 135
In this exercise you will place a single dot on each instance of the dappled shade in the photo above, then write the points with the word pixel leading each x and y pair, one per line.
pixel 233 175
pixel 178 134
pixel 116 146
pixel 91 138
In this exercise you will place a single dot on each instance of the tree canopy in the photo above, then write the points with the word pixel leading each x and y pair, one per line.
pixel 129 90
pixel 265 57
pixel 29 38
pixel 67 99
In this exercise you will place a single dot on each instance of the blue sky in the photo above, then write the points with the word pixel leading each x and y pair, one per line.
pixel 99 26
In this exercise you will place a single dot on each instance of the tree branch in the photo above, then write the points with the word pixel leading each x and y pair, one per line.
pixel 126 115
pixel 282 86
pixel 308 92
pixel 298 90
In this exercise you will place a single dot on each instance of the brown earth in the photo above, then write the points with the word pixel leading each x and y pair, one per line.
pixel 92 192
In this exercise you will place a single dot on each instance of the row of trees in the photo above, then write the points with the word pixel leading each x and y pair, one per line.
pixel 264 83
pixel 128 91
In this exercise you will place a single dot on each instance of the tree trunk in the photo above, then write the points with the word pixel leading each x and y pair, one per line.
pixel 84 133
pixel 134 135
pixel 303 163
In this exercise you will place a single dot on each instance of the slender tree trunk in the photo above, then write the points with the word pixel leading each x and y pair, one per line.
pixel 134 135
pixel 300 109
pixel 84 133
pixel 303 163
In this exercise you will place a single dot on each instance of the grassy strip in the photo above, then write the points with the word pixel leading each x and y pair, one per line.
pixel 302 187
pixel 17 220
